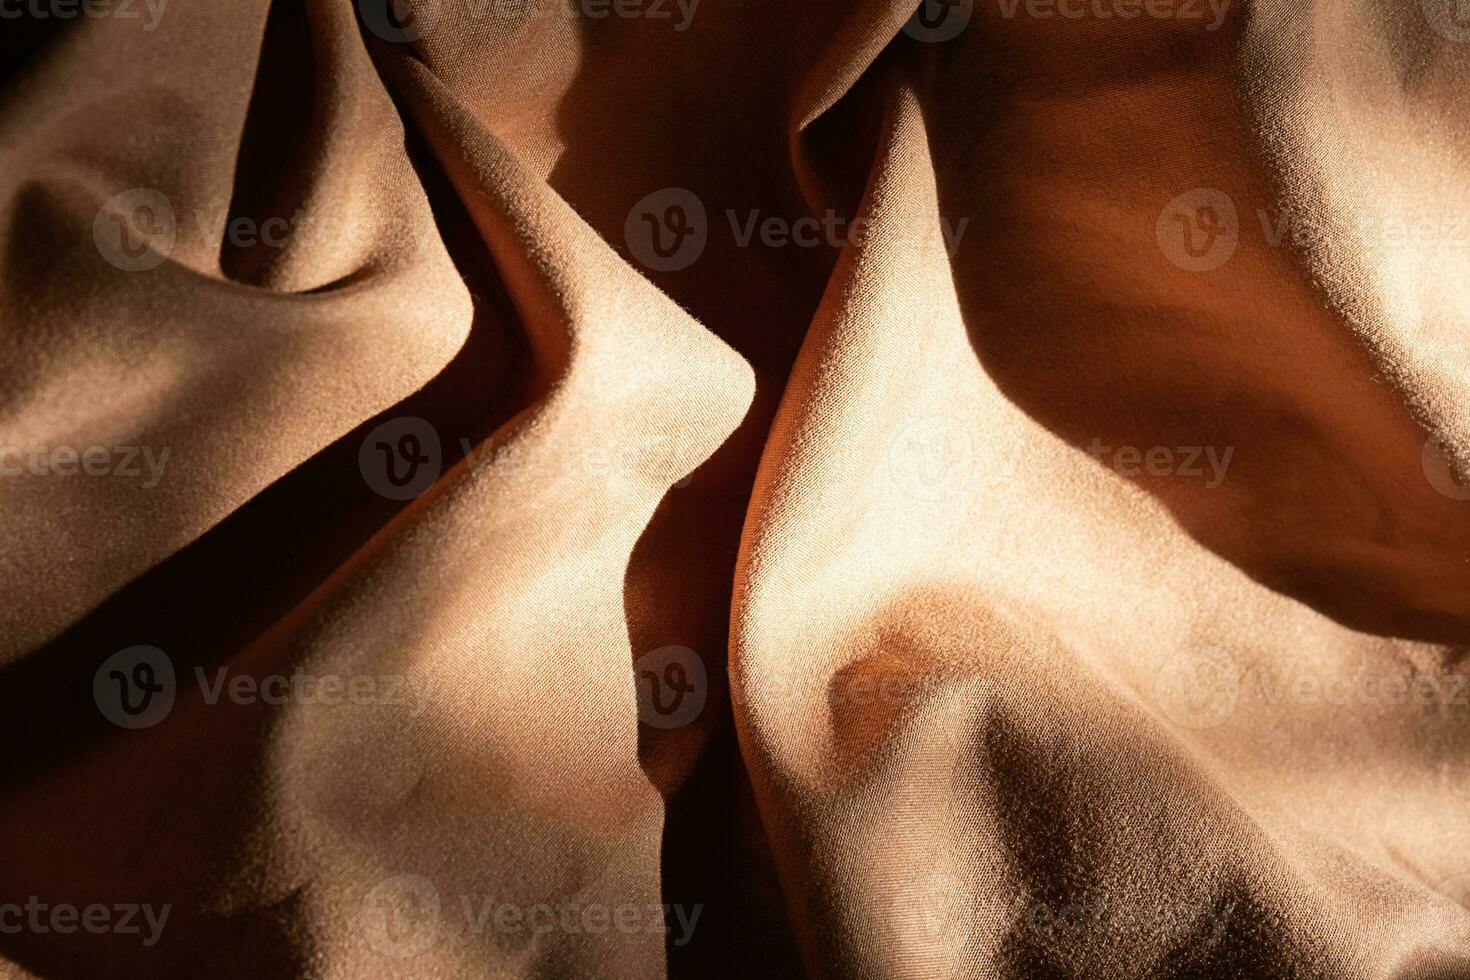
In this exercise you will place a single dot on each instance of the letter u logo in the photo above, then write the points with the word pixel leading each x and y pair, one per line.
pixel 676 220
pixel 146 683
pixel 1208 223
pixel 933 13
pixel 675 679
pixel 143 218
pixel 411 453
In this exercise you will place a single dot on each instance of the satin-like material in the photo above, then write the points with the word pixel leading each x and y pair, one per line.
pixel 735 488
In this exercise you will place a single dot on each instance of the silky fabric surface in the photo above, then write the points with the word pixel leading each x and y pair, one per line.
pixel 1035 488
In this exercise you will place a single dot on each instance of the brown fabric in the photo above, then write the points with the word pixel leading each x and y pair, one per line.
pixel 514 488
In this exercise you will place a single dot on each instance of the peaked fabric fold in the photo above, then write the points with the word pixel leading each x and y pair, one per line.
pixel 683 488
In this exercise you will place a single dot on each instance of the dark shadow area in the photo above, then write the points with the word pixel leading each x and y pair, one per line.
pixel 25 38
pixel 677 592
pixel 632 125
pixel 1077 312
pixel 282 144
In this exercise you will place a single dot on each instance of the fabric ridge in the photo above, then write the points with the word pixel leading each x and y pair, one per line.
pixel 697 488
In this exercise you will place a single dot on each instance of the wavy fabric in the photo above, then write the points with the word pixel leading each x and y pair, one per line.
pixel 637 488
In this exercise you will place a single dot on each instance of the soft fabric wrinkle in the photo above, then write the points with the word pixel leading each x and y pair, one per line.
pixel 978 701
pixel 310 817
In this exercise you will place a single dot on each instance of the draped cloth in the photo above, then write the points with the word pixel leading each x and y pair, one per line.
pixel 513 488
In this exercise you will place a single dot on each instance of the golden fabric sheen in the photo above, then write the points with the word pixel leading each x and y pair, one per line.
pixel 740 488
